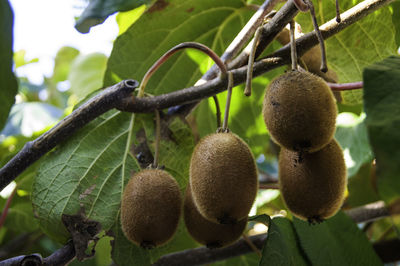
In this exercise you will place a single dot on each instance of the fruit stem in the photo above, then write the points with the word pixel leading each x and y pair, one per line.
pixel 338 19
pixel 172 51
pixel 218 111
pixel 250 63
pixel 324 67
pixel 7 207
pixel 346 86
pixel 293 51
pixel 158 139
pixel 228 102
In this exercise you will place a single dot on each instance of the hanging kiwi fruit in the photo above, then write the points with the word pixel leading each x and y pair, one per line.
pixel 208 233
pixel 313 184
pixel 300 111
pixel 151 204
pixel 150 208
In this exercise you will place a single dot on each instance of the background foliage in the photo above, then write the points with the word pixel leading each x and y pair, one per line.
pixel 89 169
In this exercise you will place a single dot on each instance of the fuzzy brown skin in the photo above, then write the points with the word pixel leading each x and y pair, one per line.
pixel 313 185
pixel 223 178
pixel 151 207
pixel 300 111
pixel 207 233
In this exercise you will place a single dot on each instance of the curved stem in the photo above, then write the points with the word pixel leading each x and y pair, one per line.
pixel 228 102
pixel 173 50
pixel 252 245
pixel 6 207
pixel 293 51
pixel 218 111
pixel 346 86
pixel 324 66
pixel 250 63
pixel 158 139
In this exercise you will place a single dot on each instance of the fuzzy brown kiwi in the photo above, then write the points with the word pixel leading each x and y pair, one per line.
pixel 300 111
pixel 150 208
pixel 223 178
pixel 313 184
pixel 207 233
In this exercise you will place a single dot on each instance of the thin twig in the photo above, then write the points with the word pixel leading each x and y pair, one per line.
pixel 7 207
pixel 346 86
pixel 338 19
pixel 158 139
pixel 251 244
pixel 324 66
pixel 249 76
pixel 228 102
pixel 218 111
pixel 293 52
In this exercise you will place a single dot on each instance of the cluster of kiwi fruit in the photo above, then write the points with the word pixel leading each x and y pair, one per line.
pixel 300 112
pixel 222 186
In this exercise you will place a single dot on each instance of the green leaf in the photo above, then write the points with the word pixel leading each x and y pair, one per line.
pixel 8 82
pixel 20 218
pixel 248 260
pixel 337 241
pixel 62 65
pixel 381 104
pixel 126 19
pixel 98 10
pixel 20 60
pixel 87 73
pixel 396 19
pixel 351 133
pixel 348 52
pixel 281 246
pixel 213 23
pixel 89 170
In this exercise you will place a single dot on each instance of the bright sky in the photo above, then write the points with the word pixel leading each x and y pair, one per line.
pixel 42 27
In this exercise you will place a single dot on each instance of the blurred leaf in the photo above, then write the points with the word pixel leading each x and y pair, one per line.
pixel 361 190
pixel 213 23
pixel 369 40
pixel 88 170
pixel 381 104
pixel 8 82
pixel 87 73
pixel 62 65
pixel 351 133
pixel 98 10
pixel 20 218
pixel 336 241
pixel 20 60
pixel 396 19
pixel 126 19
pixel 27 118
pixel 282 247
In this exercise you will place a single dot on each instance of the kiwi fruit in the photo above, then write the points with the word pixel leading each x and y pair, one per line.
pixel 150 208
pixel 208 233
pixel 223 178
pixel 313 184
pixel 300 111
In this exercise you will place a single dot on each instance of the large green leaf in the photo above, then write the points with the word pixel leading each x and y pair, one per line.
pixel 213 23
pixel 62 63
pixel 369 40
pixel 351 133
pixel 89 170
pixel 282 247
pixel 98 10
pixel 8 82
pixel 337 241
pixel 381 103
